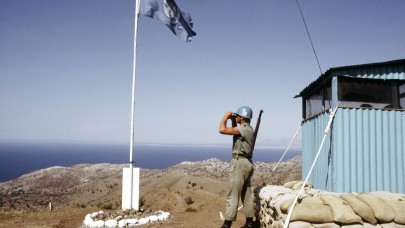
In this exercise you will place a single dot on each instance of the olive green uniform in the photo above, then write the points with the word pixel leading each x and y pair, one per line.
pixel 241 171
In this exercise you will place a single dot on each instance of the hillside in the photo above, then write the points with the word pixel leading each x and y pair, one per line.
pixel 196 187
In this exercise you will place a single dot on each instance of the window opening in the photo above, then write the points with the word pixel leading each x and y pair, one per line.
pixel 366 93
pixel 318 101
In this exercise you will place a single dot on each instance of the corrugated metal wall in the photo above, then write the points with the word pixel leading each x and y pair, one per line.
pixel 369 150
pixel 312 135
pixel 364 152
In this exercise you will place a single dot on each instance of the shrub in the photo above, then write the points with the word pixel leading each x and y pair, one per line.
pixel 189 200
pixel 189 209
pixel 107 206
pixel 81 205
pixel 141 201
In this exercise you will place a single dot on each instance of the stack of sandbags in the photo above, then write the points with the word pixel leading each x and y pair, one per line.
pixel 320 209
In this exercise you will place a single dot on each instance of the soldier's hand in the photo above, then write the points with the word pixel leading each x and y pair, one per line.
pixel 228 115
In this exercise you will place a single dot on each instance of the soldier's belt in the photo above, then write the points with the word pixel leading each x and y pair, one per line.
pixel 237 156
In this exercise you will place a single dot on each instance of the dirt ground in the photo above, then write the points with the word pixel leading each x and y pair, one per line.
pixel 74 217
pixel 58 218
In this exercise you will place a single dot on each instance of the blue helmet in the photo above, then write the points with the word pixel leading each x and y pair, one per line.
pixel 245 112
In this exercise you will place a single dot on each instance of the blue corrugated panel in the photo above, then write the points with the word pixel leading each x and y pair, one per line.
pixel 312 135
pixel 364 152
pixel 369 150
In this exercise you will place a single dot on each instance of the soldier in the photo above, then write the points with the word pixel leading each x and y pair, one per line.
pixel 241 166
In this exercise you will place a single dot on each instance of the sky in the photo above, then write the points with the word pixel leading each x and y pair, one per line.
pixel 66 66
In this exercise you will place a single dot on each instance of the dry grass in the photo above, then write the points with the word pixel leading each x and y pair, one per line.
pixel 58 218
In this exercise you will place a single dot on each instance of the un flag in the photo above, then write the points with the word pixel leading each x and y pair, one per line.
pixel 167 11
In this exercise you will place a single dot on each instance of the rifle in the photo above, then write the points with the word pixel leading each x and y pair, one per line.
pixel 257 128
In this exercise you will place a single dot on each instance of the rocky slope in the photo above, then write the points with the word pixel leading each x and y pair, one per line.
pixel 186 187
pixel 95 184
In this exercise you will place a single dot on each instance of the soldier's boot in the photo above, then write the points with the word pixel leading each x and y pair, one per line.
pixel 227 224
pixel 249 223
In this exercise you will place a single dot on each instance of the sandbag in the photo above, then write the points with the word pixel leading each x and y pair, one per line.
pixel 399 208
pixel 326 225
pixel 382 211
pixel 360 208
pixel 286 204
pixel 342 211
pixel 313 213
pixel 298 185
pixel 300 224
pixel 283 203
pixel 352 226
pixel 290 184
pixel 368 225
pixel 314 200
pixel 365 225
pixel 389 195
pixel 273 192
pixel 392 225
pixel 396 202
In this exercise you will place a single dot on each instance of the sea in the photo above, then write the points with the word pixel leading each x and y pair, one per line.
pixel 18 159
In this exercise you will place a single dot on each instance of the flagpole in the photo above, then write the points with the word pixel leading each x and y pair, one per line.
pixel 137 2
pixel 133 173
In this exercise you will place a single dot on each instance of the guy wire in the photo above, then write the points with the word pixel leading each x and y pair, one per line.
pixel 309 36
pixel 313 48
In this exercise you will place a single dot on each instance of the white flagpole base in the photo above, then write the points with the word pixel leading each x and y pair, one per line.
pixel 126 189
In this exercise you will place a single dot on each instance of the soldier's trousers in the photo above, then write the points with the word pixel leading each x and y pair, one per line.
pixel 239 188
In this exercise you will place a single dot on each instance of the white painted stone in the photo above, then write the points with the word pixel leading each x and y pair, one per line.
pixel 143 220
pixel 111 223
pixel 122 223
pixel 153 218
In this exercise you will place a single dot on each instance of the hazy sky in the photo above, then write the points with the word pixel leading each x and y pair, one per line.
pixel 66 65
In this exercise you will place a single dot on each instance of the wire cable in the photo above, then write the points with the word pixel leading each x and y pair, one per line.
pixel 309 36
pixel 313 48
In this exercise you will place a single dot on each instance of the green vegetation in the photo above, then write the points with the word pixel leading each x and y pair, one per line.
pixel 141 201
pixel 189 200
pixel 105 206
